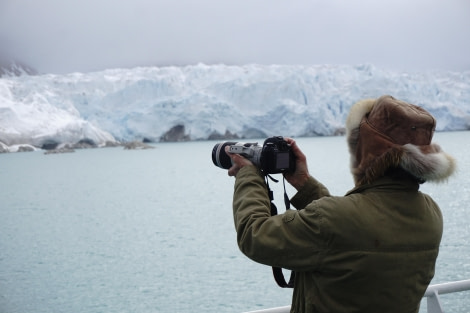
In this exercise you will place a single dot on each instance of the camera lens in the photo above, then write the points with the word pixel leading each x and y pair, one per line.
pixel 219 157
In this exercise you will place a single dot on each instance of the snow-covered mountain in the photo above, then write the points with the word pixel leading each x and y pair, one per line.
pixel 201 102
pixel 10 67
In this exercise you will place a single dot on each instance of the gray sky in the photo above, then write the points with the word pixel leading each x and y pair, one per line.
pixel 62 36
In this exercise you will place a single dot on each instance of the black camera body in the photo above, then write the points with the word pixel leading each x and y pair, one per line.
pixel 274 157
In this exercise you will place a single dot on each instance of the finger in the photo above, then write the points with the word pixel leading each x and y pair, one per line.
pixel 237 159
pixel 295 148
pixel 233 171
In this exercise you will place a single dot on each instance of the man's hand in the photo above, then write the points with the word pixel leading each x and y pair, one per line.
pixel 238 162
pixel 301 175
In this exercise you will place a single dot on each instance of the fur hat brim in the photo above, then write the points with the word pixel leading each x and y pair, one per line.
pixel 372 152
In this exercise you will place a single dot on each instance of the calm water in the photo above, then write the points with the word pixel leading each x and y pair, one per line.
pixel 113 230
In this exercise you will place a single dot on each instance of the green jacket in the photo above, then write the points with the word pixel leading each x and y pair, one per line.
pixel 373 250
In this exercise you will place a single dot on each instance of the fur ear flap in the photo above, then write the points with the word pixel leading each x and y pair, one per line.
pixel 357 112
pixel 429 163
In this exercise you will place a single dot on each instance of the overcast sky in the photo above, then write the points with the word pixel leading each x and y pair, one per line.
pixel 62 36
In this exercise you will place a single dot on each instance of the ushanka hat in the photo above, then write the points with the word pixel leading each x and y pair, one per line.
pixel 388 133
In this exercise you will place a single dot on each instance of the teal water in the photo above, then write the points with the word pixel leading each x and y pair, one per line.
pixel 113 230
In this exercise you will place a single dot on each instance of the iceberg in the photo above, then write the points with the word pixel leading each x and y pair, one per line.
pixel 200 102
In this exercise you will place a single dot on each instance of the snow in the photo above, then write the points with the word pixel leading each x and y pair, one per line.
pixel 249 100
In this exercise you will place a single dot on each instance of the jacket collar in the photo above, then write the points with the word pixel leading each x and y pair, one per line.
pixel 387 182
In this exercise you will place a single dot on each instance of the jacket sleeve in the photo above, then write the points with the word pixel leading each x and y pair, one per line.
pixel 313 190
pixel 291 240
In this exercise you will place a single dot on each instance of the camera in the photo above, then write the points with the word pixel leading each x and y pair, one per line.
pixel 275 156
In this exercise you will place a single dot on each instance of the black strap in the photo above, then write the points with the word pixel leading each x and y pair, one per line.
pixel 277 271
pixel 280 280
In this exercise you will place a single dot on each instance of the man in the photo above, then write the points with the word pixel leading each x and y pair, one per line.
pixel 373 250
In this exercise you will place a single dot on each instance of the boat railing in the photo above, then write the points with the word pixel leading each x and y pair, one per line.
pixel 432 294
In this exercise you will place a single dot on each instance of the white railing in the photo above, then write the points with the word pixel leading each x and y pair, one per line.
pixel 432 293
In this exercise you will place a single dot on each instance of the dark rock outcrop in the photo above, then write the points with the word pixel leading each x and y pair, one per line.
pixel 85 144
pixel 111 144
pixel 25 149
pixel 218 136
pixel 49 145
pixel 60 150
pixel 136 145
pixel 176 133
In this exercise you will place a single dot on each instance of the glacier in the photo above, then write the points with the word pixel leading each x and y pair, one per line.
pixel 200 102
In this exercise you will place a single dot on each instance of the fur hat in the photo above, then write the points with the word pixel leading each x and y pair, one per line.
pixel 388 133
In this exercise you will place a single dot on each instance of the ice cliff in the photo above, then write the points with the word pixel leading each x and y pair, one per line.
pixel 201 102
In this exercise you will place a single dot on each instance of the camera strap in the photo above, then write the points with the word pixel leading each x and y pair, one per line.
pixel 277 271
